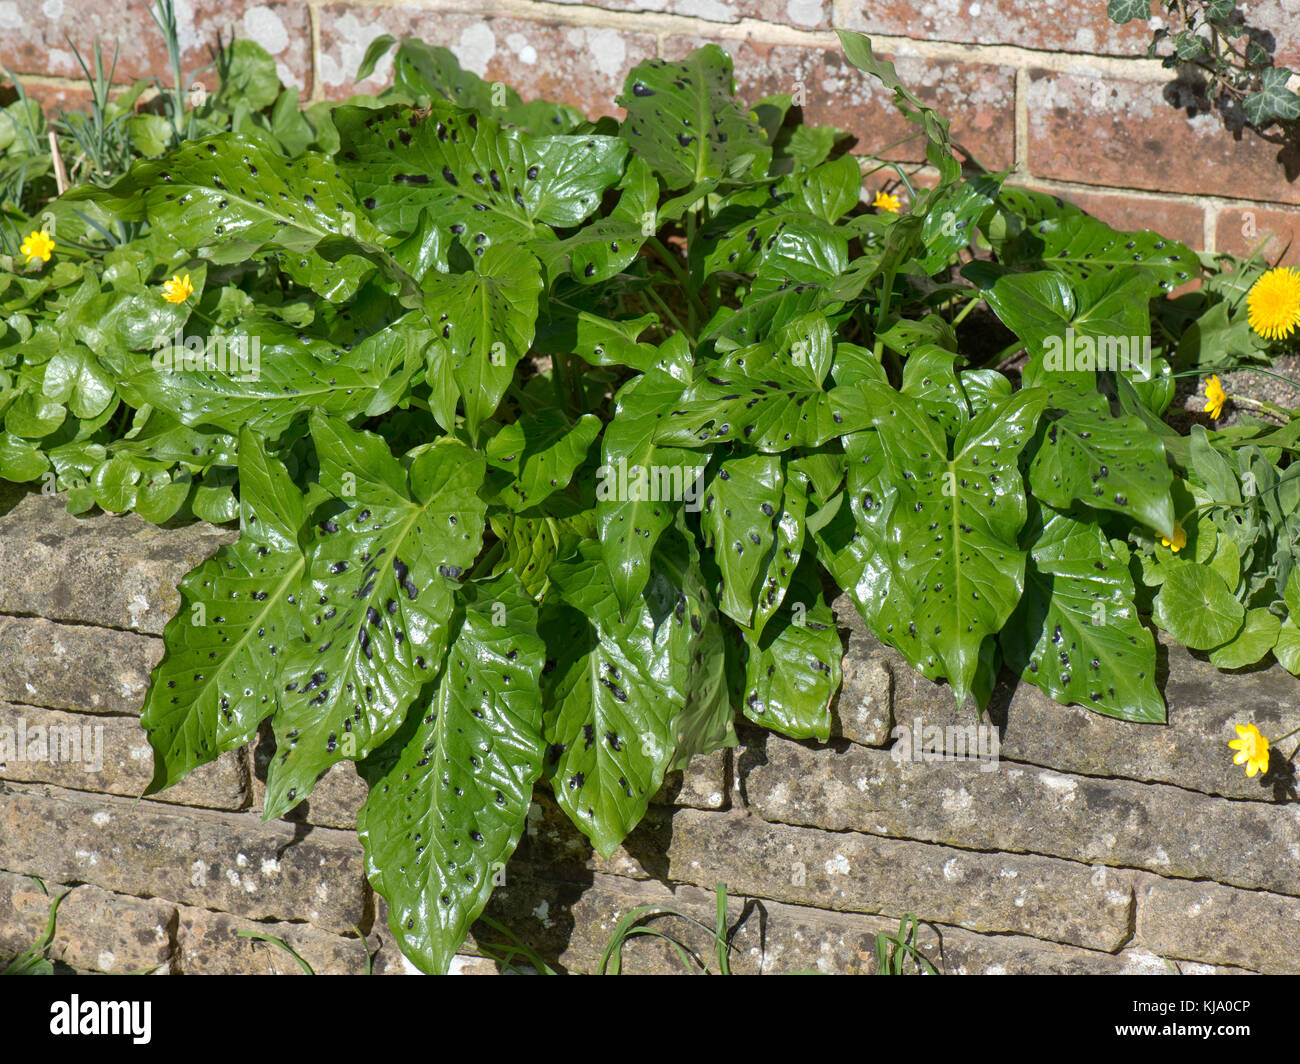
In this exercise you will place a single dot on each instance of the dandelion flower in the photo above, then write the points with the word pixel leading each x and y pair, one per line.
pixel 1252 749
pixel 1177 542
pixel 38 245
pixel 178 289
pixel 1273 305
pixel 1215 397
pixel 885 202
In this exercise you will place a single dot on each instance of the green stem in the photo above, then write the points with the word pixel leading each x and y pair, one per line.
pixel 675 267
pixel 1266 406
pixel 961 315
pixel 673 318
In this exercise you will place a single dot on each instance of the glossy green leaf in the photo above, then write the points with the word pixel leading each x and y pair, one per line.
pixel 1076 633
pixel 377 600
pixel 440 824
pixel 236 619
pixel 683 119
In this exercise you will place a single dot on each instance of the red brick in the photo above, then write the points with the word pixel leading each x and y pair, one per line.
pixel 32 36
pixel 579 65
pixel 1047 25
pixel 979 99
pixel 802 14
pixel 1177 219
pixel 54 99
pixel 1124 134
pixel 1242 229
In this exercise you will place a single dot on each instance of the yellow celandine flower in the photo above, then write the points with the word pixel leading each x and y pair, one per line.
pixel 38 245
pixel 1273 305
pixel 886 202
pixel 1215 397
pixel 178 289
pixel 1252 749
pixel 1178 542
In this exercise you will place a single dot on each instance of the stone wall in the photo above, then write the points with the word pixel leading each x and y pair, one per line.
pixel 1051 89
pixel 1088 846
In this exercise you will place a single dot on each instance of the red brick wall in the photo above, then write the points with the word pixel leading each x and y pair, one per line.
pixel 1049 87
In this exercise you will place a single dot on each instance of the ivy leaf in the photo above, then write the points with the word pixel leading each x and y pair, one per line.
pixel 440 824
pixel 1197 607
pixel 377 600
pixel 1274 101
pixel 238 615
pixel 1123 11
pixel 1076 633
pixel 684 120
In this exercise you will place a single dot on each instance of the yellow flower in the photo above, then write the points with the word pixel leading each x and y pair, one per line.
pixel 1179 540
pixel 1273 306
pixel 38 245
pixel 1252 749
pixel 1215 397
pixel 886 202
pixel 178 289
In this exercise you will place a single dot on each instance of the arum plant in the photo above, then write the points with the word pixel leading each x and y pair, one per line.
pixel 550 442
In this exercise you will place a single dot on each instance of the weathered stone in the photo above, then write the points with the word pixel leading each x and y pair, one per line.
pixel 1114 822
pixel 1209 922
pixel 334 801
pixel 551 841
pixel 94 929
pixel 1190 751
pixel 798 939
pixel 1043 897
pixel 110 755
pixel 702 784
pixel 862 710
pixel 66 666
pixel 209 943
pixel 571 925
pixel 224 861
pixel 115 571
pixel 1017 809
